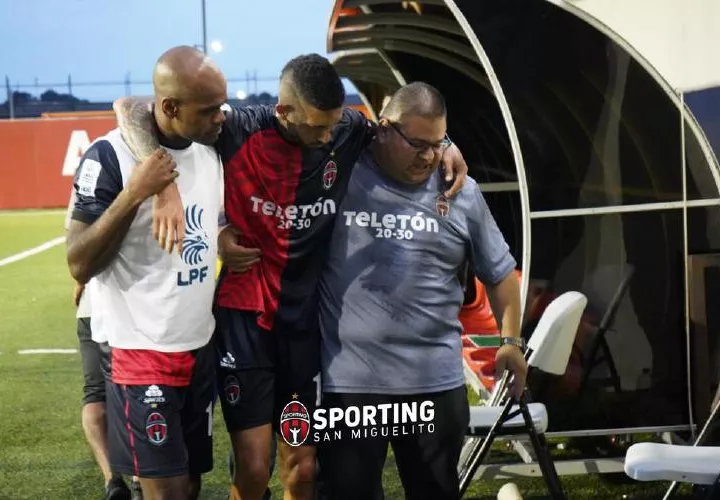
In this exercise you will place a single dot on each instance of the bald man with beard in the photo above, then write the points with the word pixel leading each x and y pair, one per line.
pixel 155 307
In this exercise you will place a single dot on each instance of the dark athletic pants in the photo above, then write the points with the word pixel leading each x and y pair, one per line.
pixel 351 468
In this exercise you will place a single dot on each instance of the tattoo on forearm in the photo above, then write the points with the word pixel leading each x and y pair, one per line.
pixel 136 125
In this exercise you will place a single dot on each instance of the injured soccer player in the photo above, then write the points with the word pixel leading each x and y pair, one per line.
pixel 389 305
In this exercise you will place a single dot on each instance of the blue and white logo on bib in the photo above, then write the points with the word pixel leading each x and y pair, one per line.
pixel 196 242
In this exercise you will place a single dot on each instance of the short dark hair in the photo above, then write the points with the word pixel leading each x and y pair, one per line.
pixel 315 80
pixel 415 99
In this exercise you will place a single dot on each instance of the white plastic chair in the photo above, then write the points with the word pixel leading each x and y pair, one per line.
pixel 694 464
pixel 671 462
pixel 548 351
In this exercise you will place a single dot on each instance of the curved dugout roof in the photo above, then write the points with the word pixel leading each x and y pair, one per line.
pixel 594 126
pixel 565 82
pixel 407 41
pixel 547 102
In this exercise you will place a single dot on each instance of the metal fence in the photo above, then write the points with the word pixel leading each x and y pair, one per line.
pixel 25 100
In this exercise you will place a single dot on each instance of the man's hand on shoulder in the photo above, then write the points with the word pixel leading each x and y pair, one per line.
pixel 151 176
pixel 455 168
pixel 154 177
pixel 169 219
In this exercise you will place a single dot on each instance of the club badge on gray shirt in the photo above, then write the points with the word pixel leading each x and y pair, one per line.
pixel 389 294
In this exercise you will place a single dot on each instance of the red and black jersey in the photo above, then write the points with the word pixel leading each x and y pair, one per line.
pixel 283 198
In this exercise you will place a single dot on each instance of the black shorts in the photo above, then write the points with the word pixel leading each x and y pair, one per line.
pixel 95 361
pixel 260 372
pixel 351 459
pixel 157 431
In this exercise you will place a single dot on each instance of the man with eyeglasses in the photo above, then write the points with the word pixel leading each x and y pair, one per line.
pixel 389 303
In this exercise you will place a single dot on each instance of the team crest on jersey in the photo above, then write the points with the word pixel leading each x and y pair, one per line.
pixel 329 174
pixel 232 390
pixel 442 205
pixel 196 241
pixel 295 423
pixel 156 428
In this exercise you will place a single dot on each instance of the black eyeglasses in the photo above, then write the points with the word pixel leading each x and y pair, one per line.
pixel 419 145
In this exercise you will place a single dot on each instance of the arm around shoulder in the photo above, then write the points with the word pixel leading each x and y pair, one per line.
pixel 135 120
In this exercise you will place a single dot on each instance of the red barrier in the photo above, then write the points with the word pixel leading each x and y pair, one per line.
pixel 40 157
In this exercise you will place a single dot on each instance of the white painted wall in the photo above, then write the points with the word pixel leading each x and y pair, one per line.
pixel 680 38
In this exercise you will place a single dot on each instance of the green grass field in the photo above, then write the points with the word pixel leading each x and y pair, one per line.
pixel 43 453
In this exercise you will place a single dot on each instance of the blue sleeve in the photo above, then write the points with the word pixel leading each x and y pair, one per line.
pixel 362 129
pixel 489 252
pixel 240 123
pixel 98 181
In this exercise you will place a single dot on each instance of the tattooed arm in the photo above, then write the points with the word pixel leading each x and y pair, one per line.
pixel 135 119
pixel 137 126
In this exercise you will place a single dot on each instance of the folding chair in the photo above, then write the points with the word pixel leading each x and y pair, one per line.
pixel 599 351
pixel 549 351
pixel 694 464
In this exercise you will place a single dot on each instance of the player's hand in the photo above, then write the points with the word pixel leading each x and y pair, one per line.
pixel 455 170
pixel 510 357
pixel 169 219
pixel 151 176
pixel 77 293
pixel 235 256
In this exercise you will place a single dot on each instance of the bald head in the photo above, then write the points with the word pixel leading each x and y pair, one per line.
pixel 416 99
pixel 189 92
pixel 184 72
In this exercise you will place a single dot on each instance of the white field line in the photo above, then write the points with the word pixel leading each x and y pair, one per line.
pixel 32 212
pixel 47 351
pixel 28 253
pixel 32 251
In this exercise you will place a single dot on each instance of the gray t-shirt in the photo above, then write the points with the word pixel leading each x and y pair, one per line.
pixel 389 294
